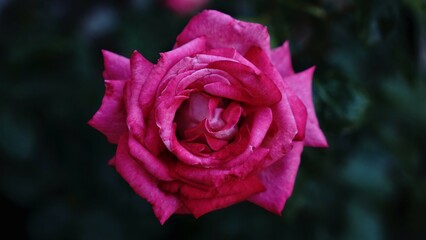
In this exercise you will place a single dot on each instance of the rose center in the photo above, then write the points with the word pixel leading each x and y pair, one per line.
pixel 207 120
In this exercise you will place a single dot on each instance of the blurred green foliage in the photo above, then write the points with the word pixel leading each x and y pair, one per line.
pixel 369 90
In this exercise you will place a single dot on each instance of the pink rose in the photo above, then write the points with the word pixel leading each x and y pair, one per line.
pixel 219 119
pixel 184 7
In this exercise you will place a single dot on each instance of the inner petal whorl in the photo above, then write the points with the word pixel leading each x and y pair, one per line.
pixel 191 112
pixel 208 120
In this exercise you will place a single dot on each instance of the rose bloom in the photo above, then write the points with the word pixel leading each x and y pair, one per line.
pixel 184 7
pixel 219 119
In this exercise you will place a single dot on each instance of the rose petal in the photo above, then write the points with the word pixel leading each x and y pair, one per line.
pixel 116 67
pixel 223 31
pixel 279 180
pixel 167 60
pixel 300 115
pixel 250 161
pixel 110 119
pixel 281 58
pixel 157 166
pixel 215 144
pixel 221 197
pixel 284 127
pixel 259 89
pixel 261 122
pixel 192 112
pixel 144 184
pixel 196 148
pixel 301 84
pixel 140 69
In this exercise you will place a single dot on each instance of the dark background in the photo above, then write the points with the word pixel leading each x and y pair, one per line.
pixel 370 96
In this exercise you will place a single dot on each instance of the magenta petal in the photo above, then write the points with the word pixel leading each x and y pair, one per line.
pixel 301 84
pixel 167 101
pixel 227 195
pixel 144 184
pixel 245 164
pixel 195 148
pixel 223 31
pixel 281 58
pixel 167 61
pixel 261 122
pixel 110 119
pixel 300 115
pixel 116 66
pixel 279 180
pixel 140 69
pixel 258 89
pixel 157 166
pixel 216 144
pixel 284 127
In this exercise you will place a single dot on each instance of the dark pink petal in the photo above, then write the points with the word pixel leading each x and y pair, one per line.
pixel 284 127
pixel 197 80
pixel 110 119
pixel 167 60
pixel 281 58
pixel 183 210
pixel 250 161
pixel 157 166
pixel 223 31
pixel 140 69
pixel 144 184
pixel 260 90
pixel 236 149
pixel 223 124
pixel 227 195
pixel 166 105
pixel 300 115
pixel 226 52
pixel 171 187
pixel 232 113
pixel 152 139
pixel 261 122
pixel 279 180
pixel 191 112
pixel 229 54
pixel 260 59
pixel 215 143
pixel 301 84
pixel 116 66
pixel 195 148
pixel 193 133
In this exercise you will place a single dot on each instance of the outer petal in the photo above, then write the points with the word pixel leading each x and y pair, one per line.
pixel 285 127
pixel 223 31
pixel 260 89
pixel 300 115
pixel 223 196
pixel 157 166
pixel 144 184
pixel 167 60
pixel 301 84
pixel 204 177
pixel 279 181
pixel 116 66
pixel 110 119
pixel 140 69
pixel 281 58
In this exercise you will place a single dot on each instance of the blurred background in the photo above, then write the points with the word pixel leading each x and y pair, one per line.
pixel 370 96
